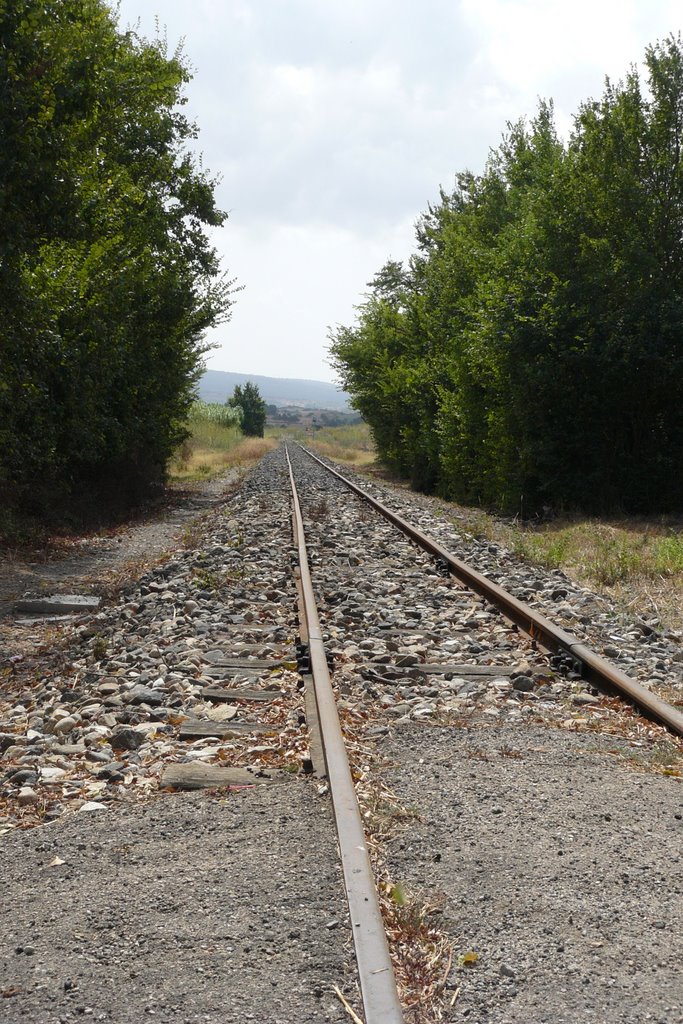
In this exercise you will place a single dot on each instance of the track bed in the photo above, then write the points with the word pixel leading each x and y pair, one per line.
pixel 525 829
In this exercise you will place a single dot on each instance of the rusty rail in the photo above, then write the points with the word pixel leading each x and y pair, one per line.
pixel 594 668
pixel 375 972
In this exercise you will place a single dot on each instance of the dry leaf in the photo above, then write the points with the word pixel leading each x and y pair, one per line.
pixel 468 959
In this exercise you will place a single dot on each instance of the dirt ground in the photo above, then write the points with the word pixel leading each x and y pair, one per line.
pixel 97 562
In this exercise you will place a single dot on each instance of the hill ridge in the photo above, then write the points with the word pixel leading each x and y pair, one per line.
pixel 218 386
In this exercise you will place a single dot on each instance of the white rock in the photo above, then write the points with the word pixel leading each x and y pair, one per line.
pixel 64 726
pixel 28 797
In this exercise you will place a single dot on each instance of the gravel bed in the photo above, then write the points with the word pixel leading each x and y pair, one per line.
pixel 637 647
pixel 89 563
pixel 503 773
pixel 102 723
pixel 423 668
pixel 390 613
pixel 554 862
pixel 190 908
pixel 129 902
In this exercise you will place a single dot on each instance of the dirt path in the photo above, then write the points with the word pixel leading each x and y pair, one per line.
pixel 95 563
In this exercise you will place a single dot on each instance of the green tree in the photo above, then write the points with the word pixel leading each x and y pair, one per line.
pixel 107 279
pixel 252 408
pixel 532 352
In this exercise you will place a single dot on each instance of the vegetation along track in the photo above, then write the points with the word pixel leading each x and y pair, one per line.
pixel 479 759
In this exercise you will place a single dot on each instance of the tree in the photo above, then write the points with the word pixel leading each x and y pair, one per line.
pixel 532 353
pixel 107 278
pixel 252 408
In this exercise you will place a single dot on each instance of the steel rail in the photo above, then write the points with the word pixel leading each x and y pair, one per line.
pixel 375 972
pixel 595 668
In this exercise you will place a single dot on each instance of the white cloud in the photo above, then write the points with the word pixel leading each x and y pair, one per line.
pixel 333 123
pixel 298 282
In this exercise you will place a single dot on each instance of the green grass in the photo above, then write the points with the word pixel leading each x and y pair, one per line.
pixel 213 447
pixel 639 562
pixel 604 552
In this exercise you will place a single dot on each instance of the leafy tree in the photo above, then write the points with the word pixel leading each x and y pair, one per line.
pixel 107 278
pixel 252 408
pixel 532 352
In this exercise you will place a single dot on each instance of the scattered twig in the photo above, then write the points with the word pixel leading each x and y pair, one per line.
pixel 349 1009
pixel 447 971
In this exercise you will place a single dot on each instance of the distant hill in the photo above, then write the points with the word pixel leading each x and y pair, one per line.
pixel 218 385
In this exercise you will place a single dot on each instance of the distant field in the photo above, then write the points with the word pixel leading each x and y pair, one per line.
pixel 214 446
pixel 351 444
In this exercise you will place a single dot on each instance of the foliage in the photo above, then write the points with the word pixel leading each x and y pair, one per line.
pixel 252 408
pixel 531 352
pixel 107 279
pixel 215 444
pixel 214 412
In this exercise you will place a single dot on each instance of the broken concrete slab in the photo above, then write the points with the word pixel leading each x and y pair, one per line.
pixel 196 728
pixel 58 604
pixel 220 694
pixel 206 776
pixel 220 660
pixel 43 619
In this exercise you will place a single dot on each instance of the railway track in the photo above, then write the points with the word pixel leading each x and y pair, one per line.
pixel 543 661
pixel 479 755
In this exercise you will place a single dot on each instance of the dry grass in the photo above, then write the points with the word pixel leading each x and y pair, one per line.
pixel 350 445
pixel 421 950
pixel 636 562
pixel 213 449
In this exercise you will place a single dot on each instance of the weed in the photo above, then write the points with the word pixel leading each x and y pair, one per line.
pixel 512 752
pixel 478 753
pixel 668 555
pixel 99 647
pixel 638 562
pixel 204 579
pixel 614 562
pixel 318 510
pixel 664 757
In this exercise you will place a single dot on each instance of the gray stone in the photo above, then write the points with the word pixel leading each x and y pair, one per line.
pixel 27 797
pixel 64 726
pixel 108 686
pixel 523 683
pixel 112 772
pixel 584 698
pixel 144 695
pixel 125 738
pixel 58 604
pixel 7 739
pixel 24 777
pixel 406 661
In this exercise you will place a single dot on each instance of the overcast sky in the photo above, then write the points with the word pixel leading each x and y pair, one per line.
pixel 332 124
